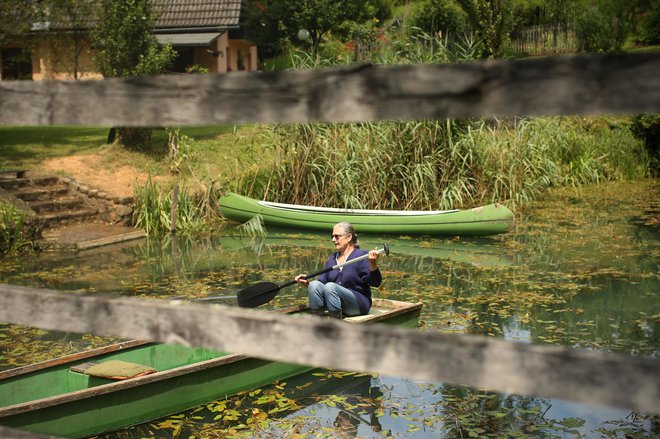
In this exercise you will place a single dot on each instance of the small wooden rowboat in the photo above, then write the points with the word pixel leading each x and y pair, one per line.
pixel 59 398
pixel 487 220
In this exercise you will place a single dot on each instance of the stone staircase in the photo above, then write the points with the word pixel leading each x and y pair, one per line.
pixel 50 201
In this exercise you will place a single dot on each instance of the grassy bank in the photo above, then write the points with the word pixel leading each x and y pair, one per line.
pixel 382 165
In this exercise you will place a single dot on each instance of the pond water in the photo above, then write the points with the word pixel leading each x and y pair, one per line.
pixel 580 268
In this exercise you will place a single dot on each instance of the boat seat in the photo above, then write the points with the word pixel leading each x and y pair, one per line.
pixel 358 319
pixel 113 369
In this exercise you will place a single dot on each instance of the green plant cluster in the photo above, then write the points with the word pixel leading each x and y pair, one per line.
pixel 194 212
pixel 647 128
pixel 603 27
pixel 14 232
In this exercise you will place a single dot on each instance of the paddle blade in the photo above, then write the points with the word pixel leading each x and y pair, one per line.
pixel 258 294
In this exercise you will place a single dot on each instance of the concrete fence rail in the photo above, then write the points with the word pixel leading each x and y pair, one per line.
pixel 542 86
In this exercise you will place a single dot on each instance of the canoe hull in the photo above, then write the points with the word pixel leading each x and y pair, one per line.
pixel 487 220
pixel 111 406
pixel 136 405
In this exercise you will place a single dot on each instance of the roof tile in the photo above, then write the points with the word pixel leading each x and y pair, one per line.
pixel 187 14
pixel 198 13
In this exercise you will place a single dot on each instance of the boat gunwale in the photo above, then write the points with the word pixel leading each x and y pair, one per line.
pixel 358 220
pixel 358 212
pixel 115 347
pixel 394 308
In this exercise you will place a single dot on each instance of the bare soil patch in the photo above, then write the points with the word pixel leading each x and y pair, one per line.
pixel 89 169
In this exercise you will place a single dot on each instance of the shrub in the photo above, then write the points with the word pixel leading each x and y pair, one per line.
pixel 647 128
pixel 652 25
pixel 603 27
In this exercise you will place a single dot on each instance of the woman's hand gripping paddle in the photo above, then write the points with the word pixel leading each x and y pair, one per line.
pixel 264 292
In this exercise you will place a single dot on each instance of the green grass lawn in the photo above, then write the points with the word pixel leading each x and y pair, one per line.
pixel 26 147
pixel 213 151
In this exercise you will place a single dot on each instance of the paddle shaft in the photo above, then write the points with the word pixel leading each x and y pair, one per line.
pixel 326 270
pixel 263 292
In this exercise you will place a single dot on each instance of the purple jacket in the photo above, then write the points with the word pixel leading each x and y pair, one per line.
pixel 357 277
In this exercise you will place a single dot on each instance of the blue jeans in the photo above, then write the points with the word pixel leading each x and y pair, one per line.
pixel 334 297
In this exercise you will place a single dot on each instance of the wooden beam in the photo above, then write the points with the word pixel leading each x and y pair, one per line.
pixel 482 362
pixel 583 85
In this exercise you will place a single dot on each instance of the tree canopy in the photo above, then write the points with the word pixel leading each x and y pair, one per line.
pixel 125 40
pixel 273 21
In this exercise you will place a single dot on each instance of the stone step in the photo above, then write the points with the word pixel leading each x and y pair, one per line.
pixel 12 173
pixel 52 219
pixel 53 202
pixel 45 193
pixel 58 205
pixel 14 183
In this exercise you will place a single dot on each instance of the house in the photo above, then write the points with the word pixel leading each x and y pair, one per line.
pixel 204 33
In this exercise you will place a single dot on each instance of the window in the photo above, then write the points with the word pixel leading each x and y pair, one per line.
pixel 16 64
pixel 184 59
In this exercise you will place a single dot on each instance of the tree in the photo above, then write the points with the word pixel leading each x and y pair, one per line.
pixel 126 46
pixel 17 18
pixel 281 20
pixel 444 16
pixel 603 26
pixel 70 20
pixel 491 22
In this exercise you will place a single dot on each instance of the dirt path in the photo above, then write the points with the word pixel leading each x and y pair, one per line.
pixel 89 169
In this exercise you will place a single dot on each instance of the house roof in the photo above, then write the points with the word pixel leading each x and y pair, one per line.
pixel 189 14
pixel 174 16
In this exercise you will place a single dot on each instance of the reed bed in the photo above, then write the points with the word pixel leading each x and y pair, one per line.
pixel 441 164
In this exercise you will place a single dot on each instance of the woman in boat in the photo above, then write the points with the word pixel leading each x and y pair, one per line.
pixel 345 291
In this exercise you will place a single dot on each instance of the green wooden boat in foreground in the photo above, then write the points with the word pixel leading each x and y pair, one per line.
pixel 487 220
pixel 57 398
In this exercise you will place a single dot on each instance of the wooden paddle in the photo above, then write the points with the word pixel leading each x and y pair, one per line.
pixel 264 292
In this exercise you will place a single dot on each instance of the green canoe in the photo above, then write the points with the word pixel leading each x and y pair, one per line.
pixel 58 397
pixel 487 220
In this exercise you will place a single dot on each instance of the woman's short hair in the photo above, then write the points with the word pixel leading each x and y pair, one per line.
pixel 347 228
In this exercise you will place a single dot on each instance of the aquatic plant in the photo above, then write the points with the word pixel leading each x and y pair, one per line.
pixel 153 209
pixel 253 228
pixel 14 233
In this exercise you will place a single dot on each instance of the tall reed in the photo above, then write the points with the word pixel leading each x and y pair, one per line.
pixel 14 232
pixel 194 213
pixel 440 164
